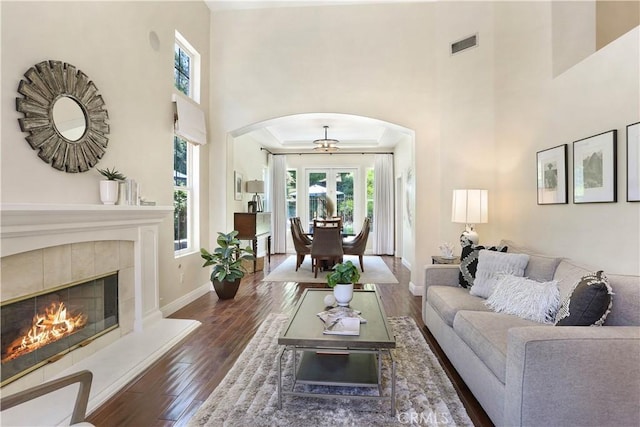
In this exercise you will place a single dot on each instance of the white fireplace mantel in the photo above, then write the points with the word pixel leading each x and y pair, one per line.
pixel 26 227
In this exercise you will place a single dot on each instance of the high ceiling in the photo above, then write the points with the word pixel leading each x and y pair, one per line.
pixel 296 133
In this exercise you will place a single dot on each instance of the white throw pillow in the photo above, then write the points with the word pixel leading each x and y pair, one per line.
pixel 490 264
pixel 526 298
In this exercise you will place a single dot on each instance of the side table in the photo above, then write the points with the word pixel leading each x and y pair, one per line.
pixel 437 259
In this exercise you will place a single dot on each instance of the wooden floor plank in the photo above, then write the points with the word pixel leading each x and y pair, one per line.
pixel 171 391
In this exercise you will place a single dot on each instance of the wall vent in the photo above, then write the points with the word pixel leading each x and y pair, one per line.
pixel 464 44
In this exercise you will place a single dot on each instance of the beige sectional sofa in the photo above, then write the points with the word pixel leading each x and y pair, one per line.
pixel 525 373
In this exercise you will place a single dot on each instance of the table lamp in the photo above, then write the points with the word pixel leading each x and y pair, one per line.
pixel 256 186
pixel 470 207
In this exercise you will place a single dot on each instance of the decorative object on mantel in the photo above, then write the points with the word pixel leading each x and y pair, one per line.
pixel 470 207
pixel 342 278
pixel 256 186
pixel 109 187
pixel 226 260
pixel 552 175
pixel 633 162
pixel 64 115
pixel 594 168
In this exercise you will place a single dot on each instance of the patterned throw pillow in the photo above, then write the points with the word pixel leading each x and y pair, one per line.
pixel 469 262
pixel 588 304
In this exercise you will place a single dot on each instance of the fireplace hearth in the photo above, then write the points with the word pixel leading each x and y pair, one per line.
pixel 41 328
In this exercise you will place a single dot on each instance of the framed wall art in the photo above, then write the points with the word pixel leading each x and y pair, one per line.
pixel 552 175
pixel 237 185
pixel 633 162
pixel 594 168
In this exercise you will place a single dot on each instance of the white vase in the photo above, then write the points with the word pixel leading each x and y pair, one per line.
pixel 343 292
pixel 108 192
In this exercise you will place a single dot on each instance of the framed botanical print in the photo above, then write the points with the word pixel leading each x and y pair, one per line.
pixel 237 185
pixel 552 175
pixel 633 162
pixel 594 168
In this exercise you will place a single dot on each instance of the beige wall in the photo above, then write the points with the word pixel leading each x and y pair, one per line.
pixel 109 41
pixel 536 111
pixel 375 60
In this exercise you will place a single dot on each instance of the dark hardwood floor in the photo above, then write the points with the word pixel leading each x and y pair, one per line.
pixel 170 391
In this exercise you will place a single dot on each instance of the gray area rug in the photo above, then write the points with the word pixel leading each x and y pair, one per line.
pixel 247 396
pixel 375 271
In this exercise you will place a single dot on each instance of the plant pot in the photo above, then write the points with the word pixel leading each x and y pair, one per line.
pixel 226 290
pixel 109 192
pixel 343 293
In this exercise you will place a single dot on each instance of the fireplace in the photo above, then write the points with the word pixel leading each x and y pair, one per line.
pixel 40 328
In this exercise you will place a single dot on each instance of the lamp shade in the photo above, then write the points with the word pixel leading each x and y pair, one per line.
pixel 470 206
pixel 255 186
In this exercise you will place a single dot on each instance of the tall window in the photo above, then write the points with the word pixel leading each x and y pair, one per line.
pixel 291 193
pixel 185 154
pixel 370 197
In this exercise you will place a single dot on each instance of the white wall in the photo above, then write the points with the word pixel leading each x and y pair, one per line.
pixel 536 111
pixel 109 41
pixel 403 162
pixel 371 60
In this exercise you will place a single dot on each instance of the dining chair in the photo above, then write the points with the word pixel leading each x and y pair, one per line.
pixel 326 246
pixel 358 244
pixel 327 222
pixel 301 242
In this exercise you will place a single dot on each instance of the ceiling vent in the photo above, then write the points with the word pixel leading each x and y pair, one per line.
pixel 464 44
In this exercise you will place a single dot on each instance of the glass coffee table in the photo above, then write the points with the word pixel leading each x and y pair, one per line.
pixel 338 360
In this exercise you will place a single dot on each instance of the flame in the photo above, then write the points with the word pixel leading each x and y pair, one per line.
pixel 53 324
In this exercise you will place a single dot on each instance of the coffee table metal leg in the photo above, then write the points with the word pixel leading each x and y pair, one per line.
pixel 280 377
pixel 393 384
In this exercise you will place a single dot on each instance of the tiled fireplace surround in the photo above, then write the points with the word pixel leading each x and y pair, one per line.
pixel 46 246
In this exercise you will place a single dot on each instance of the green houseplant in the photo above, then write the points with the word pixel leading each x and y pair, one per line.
pixel 109 185
pixel 226 260
pixel 342 278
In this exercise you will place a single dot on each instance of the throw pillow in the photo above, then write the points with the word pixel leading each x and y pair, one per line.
pixel 588 304
pixel 525 298
pixel 469 262
pixel 490 263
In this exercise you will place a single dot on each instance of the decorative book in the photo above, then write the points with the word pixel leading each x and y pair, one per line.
pixel 343 326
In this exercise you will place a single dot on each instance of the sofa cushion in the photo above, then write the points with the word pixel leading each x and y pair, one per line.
pixel 540 267
pixel 486 334
pixel 492 263
pixel 469 262
pixel 589 303
pixel 626 309
pixel 526 298
pixel 448 300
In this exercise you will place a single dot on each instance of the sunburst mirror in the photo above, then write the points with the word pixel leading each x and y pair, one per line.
pixel 64 115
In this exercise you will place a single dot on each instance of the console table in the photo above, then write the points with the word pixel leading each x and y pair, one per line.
pixel 253 226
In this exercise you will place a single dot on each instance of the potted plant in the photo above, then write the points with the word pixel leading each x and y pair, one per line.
pixel 226 260
pixel 342 278
pixel 109 186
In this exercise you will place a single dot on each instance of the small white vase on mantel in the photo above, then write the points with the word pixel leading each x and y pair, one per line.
pixel 343 293
pixel 109 191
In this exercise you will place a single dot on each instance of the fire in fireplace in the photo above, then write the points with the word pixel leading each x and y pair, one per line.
pixel 43 327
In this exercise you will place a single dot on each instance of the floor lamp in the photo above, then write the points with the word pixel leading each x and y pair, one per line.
pixel 470 207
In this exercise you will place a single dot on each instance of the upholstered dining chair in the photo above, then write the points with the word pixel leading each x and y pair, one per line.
pixel 326 246
pixel 358 244
pixel 301 242
pixel 327 222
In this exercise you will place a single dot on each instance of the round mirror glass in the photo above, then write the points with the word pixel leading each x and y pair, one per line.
pixel 69 118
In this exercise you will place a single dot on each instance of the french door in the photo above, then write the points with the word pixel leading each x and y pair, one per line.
pixel 330 191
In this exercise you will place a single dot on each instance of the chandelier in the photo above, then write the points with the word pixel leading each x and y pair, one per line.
pixel 326 145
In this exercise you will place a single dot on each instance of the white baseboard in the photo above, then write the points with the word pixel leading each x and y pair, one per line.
pixel 406 263
pixel 415 290
pixel 176 305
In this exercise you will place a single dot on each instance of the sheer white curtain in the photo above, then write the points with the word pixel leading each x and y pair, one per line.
pixel 278 206
pixel 383 205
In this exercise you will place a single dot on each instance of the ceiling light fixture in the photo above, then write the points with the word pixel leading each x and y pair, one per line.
pixel 326 145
